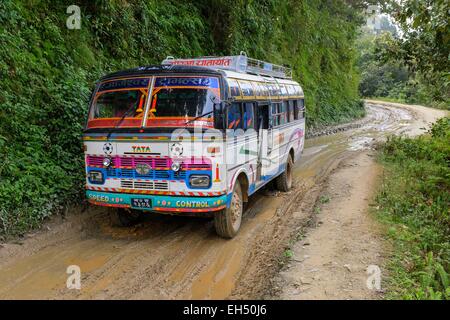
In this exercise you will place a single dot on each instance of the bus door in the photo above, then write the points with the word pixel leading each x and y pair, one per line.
pixel 264 139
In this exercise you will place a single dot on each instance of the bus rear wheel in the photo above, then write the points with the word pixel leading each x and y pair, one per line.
pixel 227 222
pixel 284 181
pixel 124 217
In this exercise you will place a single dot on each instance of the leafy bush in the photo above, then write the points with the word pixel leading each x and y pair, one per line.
pixel 48 71
pixel 387 76
pixel 415 201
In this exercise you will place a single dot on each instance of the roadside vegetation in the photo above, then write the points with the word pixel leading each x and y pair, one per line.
pixel 48 72
pixel 406 60
pixel 414 203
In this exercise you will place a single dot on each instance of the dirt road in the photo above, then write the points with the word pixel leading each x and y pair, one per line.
pixel 172 257
pixel 333 256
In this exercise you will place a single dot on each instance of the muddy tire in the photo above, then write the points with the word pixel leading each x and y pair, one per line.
pixel 284 181
pixel 124 217
pixel 228 221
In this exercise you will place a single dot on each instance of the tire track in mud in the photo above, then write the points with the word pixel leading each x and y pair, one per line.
pixel 169 257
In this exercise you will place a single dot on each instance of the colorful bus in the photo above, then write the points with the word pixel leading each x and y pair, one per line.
pixel 192 136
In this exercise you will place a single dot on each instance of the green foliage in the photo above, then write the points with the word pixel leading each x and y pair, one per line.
pixel 315 37
pixel 414 202
pixel 390 79
pixel 425 45
pixel 48 72
pixel 324 199
pixel 288 253
pixel 380 79
pixel 424 49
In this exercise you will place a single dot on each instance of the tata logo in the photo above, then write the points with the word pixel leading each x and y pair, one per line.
pixel 141 149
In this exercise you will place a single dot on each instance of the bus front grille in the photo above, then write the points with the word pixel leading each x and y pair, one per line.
pixel 144 184
pixel 124 167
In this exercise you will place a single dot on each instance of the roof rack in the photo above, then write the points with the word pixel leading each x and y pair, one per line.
pixel 239 63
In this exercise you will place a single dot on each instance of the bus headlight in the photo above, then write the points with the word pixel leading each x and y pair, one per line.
pixel 107 162
pixel 199 181
pixel 175 166
pixel 95 177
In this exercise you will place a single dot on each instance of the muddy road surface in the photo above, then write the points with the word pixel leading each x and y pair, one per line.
pixel 167 257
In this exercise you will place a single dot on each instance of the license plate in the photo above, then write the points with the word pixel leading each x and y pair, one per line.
pixel 141 203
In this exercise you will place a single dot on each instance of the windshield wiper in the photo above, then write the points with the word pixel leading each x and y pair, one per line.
pixel 200 116
pixel 120 121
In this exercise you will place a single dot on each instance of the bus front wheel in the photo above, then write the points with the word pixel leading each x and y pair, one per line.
pixel 284 180
pixel 228 221
pixel 124 217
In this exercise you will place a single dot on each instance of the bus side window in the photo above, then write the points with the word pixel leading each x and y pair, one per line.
pixel 249 116
pixel 279 114
pixel 296 109
pixel 235 116
pixel 301 108
pixel 283 112
pixel 274 113
pixel 287 116
pixel 291 110
pixel 234 88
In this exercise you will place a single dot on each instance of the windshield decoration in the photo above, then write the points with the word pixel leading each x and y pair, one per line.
pixel 124 84
pixel 212 83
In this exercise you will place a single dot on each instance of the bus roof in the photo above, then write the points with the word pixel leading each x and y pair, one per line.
pixel 171 69
pixel 194 70
pixel 160 69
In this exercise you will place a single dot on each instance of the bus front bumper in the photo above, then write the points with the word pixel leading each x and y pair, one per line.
pixel 157 202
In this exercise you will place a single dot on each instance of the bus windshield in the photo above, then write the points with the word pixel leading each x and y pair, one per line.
pixel 175 102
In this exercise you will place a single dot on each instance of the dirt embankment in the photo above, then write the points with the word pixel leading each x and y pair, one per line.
pixel 173 257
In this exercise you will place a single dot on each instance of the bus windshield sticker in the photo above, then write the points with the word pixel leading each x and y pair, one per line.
pixel 124 84
pixel 206 82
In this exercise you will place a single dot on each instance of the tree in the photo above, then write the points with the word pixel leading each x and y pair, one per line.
pixel 426 33
pixel 424 43
pixel 380 78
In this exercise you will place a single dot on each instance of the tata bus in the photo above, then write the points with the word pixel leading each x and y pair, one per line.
pixel 192 136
